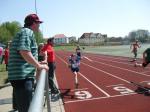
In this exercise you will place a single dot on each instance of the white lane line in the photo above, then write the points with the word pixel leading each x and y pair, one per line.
pixel 112 61
pixel 87 58
pixel 115 85
pixel 105 59
pixel 79 89
pixel 99 98
pixel 94 85
pixel 89 80
pixel 145 72
pixel 144 81
pixel 123 69
pixel 112 57
pixel 106 73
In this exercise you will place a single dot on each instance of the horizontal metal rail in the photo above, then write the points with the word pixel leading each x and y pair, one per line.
pixel 38 98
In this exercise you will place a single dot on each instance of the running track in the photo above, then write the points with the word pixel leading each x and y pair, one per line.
pixel 104 84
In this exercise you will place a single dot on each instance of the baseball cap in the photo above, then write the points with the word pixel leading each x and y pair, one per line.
pixel 32 18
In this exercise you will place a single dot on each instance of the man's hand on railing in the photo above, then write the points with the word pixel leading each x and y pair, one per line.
pixel 43 62
pixel 43 66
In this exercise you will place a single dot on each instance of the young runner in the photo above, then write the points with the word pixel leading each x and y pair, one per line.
pixel 74 64
pixel 78 52
pixel 134 46
pixel 146 58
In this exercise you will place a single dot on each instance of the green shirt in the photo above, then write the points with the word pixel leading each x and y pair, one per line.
pixel 18 68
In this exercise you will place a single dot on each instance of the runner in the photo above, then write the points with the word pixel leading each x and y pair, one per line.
pixel 78 52
pixel 146 58
pixel 74 64
pixel 134 46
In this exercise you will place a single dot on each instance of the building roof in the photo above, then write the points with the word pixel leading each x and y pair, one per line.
pixel 59 36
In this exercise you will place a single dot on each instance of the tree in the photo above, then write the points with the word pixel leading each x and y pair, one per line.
pixel 8 30
pixel 141 35
pixel 39 37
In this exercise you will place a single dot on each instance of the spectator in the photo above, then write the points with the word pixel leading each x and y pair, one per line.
pixel 6 53
pixel 23 63
pixel 50 59
pixel 1 52
pixel 3 55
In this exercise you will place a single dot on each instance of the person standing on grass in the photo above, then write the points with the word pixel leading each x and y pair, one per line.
pixel 6 52
pixel 23 63
pixel 74 63
pixel 1 52
pixel 50 59
pixel 146 59
pixel 134 46
pixel 3 55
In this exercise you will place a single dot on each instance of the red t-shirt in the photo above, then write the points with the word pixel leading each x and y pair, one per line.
pixel 50 52
pixel 6 56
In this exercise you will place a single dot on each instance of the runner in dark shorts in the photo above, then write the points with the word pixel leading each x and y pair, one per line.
pixel 78 52
pixel 74 64
pixel 146 58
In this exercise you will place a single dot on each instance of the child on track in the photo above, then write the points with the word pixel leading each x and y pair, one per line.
pixel 74 63
pixel 78 52
pixel 134 46
pixel 146 58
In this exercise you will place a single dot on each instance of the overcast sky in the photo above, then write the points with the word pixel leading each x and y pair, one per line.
pixel 75 17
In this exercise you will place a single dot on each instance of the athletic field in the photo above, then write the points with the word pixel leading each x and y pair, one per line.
pixel 123 50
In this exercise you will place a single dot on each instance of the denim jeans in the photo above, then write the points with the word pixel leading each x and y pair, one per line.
pixel 22 94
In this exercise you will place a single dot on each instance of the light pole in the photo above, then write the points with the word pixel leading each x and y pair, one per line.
pixel 35 7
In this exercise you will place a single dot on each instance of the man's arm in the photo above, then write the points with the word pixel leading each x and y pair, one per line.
pixel 27 55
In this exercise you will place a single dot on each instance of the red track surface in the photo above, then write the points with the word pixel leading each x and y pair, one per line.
pixel 104 84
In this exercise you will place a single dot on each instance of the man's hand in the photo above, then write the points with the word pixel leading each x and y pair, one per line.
pixel 43 66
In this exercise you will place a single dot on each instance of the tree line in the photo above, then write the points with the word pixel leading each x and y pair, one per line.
pixel 8 30
pixel 142 35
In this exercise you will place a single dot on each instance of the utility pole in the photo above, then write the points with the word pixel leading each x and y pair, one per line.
pixel 35 7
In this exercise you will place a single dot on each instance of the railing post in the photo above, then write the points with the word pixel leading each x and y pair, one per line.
pixel 38 98
pixel 48 97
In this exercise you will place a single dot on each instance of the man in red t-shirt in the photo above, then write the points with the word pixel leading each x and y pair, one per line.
pixel 50 59
pixel 6 53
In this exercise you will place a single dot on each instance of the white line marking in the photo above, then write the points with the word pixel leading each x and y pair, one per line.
pixel 145 72
pixel 89 81
pixel 144 81
pixel 87 58
pixel 108 59
pixel 95 85
pixel 98 98
pixel 123 69
pixel 115 85
pixel 79 89
pixel 107 73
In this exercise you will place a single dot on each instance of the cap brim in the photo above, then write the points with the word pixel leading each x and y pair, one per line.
pixel 40 21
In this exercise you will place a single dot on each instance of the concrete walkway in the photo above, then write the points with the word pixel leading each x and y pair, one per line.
pixel 6 101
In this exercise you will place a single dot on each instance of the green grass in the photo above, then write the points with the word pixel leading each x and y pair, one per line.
pixel 3 74
pixel 121 50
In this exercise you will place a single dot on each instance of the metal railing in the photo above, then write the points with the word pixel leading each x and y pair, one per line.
pixel 37 102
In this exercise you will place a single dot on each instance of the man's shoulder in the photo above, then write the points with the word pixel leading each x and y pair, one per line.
pixel 26 31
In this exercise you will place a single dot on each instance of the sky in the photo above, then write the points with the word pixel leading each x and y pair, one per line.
pixel 75 17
